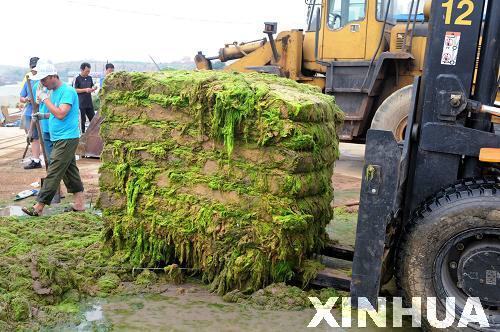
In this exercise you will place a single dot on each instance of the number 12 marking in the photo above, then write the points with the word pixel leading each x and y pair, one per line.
pixel 461 19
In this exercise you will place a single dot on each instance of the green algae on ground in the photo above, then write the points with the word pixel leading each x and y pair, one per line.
pixel 280 297
pixel 43 261
pixel 108 282
pixel 146 278
pixel 48 265
pixel 342 229
pixel 223 173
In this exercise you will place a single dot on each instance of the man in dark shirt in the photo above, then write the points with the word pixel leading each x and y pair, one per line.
pixel 84 87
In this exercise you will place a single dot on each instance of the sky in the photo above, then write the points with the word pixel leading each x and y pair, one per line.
pixel 68 30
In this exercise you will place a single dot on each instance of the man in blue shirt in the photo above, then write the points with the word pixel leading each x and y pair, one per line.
pixel 64 127
pixel 28 110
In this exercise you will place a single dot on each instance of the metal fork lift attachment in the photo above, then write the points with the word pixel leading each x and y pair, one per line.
pixel 446 131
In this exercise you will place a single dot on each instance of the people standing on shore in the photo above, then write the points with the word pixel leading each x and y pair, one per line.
pixel 24 97
pixel 63 105
pixel 84 86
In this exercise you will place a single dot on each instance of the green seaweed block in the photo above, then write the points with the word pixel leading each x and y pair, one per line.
pixel 225 174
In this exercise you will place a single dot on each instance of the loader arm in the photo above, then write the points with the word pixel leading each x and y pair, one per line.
pixel 289 49
pixel 260 57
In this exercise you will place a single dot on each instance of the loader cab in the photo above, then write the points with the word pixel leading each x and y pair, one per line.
pixel 349 42
pixel 345 26
pixel 350 29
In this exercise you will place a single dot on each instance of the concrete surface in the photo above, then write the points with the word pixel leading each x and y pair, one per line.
pixel 351 160
pixel 12 140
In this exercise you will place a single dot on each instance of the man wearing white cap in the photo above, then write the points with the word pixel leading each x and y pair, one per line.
pixel 64 130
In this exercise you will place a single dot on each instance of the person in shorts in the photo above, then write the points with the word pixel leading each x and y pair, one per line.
pixel 25 98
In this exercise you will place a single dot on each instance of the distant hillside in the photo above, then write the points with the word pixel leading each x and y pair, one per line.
pixel 98 66
pixel 12 74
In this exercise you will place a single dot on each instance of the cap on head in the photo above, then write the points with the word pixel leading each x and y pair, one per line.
pixel 33 62
pixel 44 69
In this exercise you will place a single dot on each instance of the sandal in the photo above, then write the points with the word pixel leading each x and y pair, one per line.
pixel 30 211
pixel 72 209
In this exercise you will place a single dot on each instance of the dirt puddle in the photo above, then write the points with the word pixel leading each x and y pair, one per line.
pixel 200 311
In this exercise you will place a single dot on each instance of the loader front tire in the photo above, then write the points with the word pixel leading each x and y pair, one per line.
pixel 392 114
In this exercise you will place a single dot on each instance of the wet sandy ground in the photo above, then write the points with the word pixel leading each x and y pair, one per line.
pixel 190 307
pixel 200 311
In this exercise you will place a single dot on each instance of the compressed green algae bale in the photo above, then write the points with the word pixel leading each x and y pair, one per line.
pixel 226 174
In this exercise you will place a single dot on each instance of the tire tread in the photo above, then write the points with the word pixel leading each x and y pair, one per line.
pixel 462 189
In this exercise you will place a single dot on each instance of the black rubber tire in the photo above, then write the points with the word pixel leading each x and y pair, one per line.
pixel 393 110
pixel 462 206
